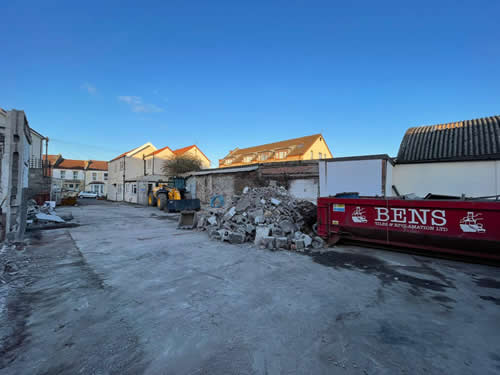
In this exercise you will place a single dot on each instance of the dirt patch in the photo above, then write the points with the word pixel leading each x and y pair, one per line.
pixel 488 283
pixel 386 273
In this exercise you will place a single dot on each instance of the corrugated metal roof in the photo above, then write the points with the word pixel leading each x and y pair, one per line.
pixel 222 170
pixel 477 139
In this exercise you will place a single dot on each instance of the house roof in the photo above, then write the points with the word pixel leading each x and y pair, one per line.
pixel 183 150
pixel 134 149
pixel 477 139
pixel 71 164
pixel 298 146
pixel 97 165
pixel 160 150
pixel 51 158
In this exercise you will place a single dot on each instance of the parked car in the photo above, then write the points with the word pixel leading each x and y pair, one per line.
pixel 87 194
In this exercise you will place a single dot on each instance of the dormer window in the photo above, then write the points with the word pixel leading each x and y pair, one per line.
pixel 228 161
pixel 248 158
pixel 281 154
pixel 264 155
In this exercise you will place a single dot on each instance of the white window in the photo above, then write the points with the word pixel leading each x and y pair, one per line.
pixel 94 176
pixel 134 189
pixel 105 176
pixel 228 161
pixel 63 174
pixel 248 158
pixel 102 189
pixel 75 175
pixel 127 187
pixel 70 186
pixel 119 188
pixel 281 154
pixel 264 156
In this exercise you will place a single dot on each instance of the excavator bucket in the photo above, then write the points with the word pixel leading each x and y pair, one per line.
pixel 187 220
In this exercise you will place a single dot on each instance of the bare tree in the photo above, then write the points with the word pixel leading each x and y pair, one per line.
pixel 181 164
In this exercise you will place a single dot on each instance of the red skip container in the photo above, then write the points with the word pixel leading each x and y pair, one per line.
pixel 469 228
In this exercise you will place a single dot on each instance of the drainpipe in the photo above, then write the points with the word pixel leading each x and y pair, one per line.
pixel 123 187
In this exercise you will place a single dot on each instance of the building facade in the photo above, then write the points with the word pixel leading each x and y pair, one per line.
pixel 450 159
pixel 311 147
pixel 15 143
pixel 96 177
pixel 133 174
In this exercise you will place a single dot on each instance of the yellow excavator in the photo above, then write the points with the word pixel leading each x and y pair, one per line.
pixel 161 194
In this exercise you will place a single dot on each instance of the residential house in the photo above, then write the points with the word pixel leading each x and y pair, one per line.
pixel 124 172
pixel 311 147
pixel 96 177
pixel 68 175
pixel 133 174
pixel 450 159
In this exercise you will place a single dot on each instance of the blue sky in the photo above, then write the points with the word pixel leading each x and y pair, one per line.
pixel 100 78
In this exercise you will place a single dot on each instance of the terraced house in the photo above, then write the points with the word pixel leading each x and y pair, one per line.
pixel 312 147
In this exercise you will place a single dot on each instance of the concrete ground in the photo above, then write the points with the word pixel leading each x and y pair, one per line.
pixel 128 293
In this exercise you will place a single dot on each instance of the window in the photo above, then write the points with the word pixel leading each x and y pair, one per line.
pixel 94 176
pixel 312 155
pixel 70 186
pixel 102 189
pixel 248 158
pixel 105 176
pixel 76 185
pixel 95 188
pixel 264 156
pixel 134 189
pixel 75 175
pixel 122 164
pixel 149 163
pixel 320 155
pixel 127 187
pixel 63 174
pixel 281 154
pixel 228 161
pixel 119 188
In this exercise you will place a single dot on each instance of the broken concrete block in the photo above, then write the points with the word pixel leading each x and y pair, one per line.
pixel 243 204
pixel 260 232
pixel 259 220
pixel 299 245
pixel 249 228
pixel 307 240
pixel 282 242
pixel 229 214
pixel 268 242
pixel 275 201
pixel 224 234
pixel 287 226
pixel 212 220
pixel 214 234
pixel 236 237
pixel 245 190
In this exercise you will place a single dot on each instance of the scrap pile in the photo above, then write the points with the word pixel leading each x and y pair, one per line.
pixel 40 217
pixel 267 216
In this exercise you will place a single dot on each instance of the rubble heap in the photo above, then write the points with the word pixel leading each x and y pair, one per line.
pixel 267 216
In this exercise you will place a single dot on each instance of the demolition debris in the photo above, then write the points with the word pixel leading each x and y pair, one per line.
pixel 267 216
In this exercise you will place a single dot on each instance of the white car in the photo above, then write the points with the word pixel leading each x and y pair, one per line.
pixel 87 194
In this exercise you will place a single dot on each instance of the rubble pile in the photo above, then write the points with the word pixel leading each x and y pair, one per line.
pixel 43 215
pixel 267 216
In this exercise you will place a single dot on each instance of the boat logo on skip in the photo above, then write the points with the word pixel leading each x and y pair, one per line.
pixel 358 215
pixel 470 223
